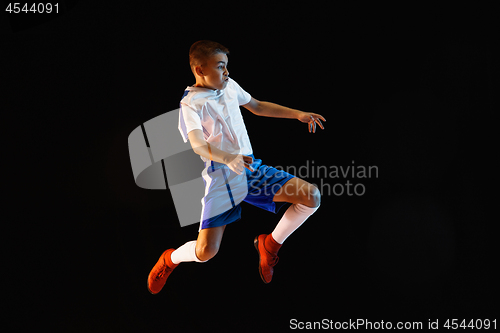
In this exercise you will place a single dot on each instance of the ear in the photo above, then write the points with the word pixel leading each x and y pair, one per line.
pixel 198 70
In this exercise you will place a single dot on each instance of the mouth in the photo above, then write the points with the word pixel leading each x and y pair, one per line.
pixel 226 79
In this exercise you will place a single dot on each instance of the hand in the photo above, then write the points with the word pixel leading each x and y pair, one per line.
pixel 311 119
pixel 238 162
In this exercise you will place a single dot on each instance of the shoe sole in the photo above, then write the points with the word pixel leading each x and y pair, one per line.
pixel 147 284
pixel 256 245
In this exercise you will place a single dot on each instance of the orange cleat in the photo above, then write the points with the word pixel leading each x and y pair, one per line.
pixel 160 272
pixel 267 260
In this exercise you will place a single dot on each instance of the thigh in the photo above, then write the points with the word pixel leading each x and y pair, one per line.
pixel 296 190
pixel 210 237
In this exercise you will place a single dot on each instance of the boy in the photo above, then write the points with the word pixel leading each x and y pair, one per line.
pixel 210 118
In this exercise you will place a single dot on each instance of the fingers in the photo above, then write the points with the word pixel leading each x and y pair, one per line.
pixel 320 124
pixel 248 160
pixel 312 123
pixel 249 167
pixel 312 127
pixel 236 165
pixel 239 164
pixel 320 116
pixel 239 170
pixel 315 115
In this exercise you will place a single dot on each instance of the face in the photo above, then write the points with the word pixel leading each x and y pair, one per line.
pixel 214 74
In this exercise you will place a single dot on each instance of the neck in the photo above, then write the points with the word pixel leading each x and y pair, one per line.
pixel 202 84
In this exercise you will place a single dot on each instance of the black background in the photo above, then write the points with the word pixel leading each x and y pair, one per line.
pixel 410 90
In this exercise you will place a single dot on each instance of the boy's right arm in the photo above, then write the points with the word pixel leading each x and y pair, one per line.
pixel 203 148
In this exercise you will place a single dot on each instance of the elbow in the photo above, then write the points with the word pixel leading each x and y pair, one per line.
pixel 199 147
pixel 197 150
pixel 254 106
pixel 259 109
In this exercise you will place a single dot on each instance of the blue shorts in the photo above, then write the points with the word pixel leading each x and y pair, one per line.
pixel 262 183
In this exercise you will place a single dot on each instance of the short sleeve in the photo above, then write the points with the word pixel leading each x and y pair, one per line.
pixel 243 96
pixel 189 120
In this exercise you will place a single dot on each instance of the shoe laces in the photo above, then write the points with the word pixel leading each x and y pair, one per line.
pixel 162 272
pixel 272 259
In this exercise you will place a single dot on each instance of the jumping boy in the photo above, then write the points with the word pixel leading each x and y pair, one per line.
pixel 210 118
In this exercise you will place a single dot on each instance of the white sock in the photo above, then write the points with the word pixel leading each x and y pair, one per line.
pixel 185 253
pixel 294 216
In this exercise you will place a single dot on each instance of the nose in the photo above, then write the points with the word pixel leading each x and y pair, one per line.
pixel 226 73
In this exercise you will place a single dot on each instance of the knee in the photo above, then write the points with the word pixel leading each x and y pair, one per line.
pixel 313 197
pixel 206 252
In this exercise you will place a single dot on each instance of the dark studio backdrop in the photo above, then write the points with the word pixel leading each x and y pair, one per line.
pixel 410 91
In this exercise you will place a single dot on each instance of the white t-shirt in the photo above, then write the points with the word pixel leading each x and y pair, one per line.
pixel 217 113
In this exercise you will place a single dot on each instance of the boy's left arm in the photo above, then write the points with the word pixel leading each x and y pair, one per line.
pixel 268 109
